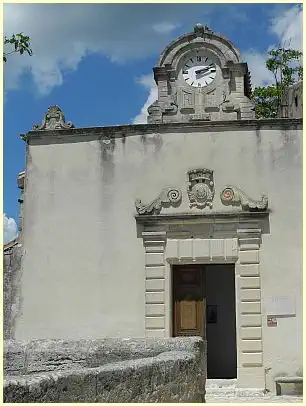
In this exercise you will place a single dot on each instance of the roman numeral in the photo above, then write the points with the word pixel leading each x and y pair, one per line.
pixel 205 83
pixel 206 59
pixel 191 60
pixel 198 58
pixel 185 72
pixel 187 66
pixel 192 83
pixel 210 77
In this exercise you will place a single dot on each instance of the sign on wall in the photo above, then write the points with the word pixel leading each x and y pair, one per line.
pixel 280 306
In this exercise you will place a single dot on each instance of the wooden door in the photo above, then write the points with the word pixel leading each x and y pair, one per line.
pixel 189 301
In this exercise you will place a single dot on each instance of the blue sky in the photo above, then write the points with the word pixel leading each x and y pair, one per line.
pixel 95 61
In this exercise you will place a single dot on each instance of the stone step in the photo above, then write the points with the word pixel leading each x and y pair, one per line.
pixel 214 393
pixel 221 383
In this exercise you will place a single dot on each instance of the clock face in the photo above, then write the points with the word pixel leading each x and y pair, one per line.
pixel 198 70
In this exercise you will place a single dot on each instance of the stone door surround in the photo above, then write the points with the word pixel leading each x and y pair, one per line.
pixel 235 239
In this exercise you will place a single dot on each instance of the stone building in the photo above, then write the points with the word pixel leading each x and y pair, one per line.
pixel 188 225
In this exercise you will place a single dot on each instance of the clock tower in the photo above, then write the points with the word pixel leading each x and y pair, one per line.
pixel 201 76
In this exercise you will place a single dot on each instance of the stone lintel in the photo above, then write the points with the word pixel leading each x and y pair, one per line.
pixel 195 218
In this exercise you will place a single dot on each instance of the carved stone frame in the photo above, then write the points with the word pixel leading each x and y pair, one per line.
pixel 228 238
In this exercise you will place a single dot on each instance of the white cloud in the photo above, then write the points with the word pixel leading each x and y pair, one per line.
pixel 149 83
pixel 164 27
pixel 260 75
pixel 287 26
pixel 63 34
pixel 10 228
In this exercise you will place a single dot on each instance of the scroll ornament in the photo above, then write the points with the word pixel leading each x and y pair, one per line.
pixel 232 195
pixel 168 196
pixel 54 119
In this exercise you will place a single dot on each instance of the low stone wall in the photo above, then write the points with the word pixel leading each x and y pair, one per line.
pixel 106 370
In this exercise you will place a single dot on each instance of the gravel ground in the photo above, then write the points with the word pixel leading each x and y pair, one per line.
pixel 257 399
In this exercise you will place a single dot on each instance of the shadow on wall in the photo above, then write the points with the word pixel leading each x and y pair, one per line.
pixel 106 370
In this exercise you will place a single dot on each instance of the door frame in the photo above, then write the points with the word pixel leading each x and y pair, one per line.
pixel 231 239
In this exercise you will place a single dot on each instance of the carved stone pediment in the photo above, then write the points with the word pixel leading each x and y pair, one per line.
pixel 201 192
pixel 54 119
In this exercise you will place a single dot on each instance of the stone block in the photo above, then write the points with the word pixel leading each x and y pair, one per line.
pixel 155 297
pixel 155 285
pixel 155 333
pixel 251 377
pixel 155 322
pixel 251 345
pixel 201 248
pixel 155 272
pixel 248 270
pixel 154 258
pixel 249 257
pixel 155 309
pixel 184 248
pixel 249 282
pixel 250 294
pixel 251 332
pixel 250 307
pixel 251 358
pixel 250 320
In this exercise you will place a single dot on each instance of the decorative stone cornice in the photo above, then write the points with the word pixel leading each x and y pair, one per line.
pixel 123 131
pixel 54 119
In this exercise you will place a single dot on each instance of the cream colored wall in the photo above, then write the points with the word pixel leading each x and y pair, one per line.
pixel 84 267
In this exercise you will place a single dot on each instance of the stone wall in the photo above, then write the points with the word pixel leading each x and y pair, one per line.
pixel 295 101
pixel 106 370
pixel 11 266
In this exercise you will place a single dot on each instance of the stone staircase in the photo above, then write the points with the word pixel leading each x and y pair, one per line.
pixel 223 388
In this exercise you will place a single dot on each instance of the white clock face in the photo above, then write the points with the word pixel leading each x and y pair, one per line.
pixel 198 70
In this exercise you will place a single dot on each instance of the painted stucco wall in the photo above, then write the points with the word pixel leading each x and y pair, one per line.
pixel 83 271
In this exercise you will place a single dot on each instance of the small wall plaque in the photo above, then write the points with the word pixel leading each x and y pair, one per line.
pixel 271 321
pixel 280 306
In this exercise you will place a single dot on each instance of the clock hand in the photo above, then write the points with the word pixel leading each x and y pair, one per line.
pixel 202 70
pixel 203 74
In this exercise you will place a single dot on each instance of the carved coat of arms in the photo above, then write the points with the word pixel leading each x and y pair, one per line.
pixel 201 188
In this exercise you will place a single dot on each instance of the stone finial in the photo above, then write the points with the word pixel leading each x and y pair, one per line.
pixel 199 29
pixel 54 120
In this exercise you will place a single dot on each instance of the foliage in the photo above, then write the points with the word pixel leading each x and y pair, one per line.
pixel 286 69
pixel 20 43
